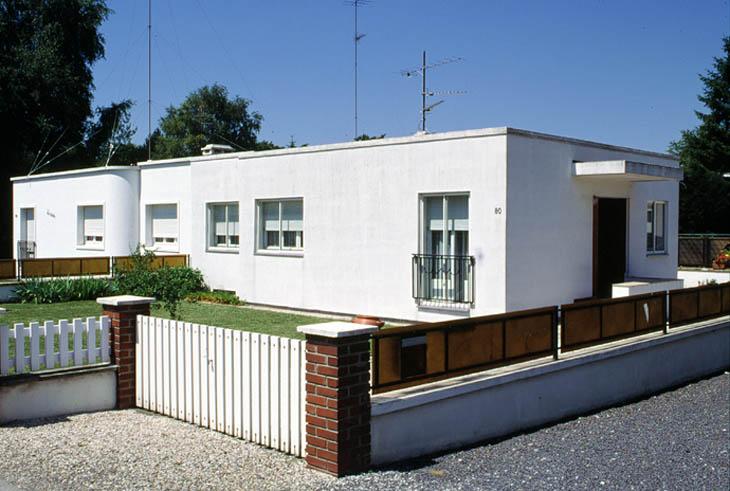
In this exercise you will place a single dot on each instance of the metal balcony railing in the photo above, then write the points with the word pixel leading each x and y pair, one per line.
pixel 442 279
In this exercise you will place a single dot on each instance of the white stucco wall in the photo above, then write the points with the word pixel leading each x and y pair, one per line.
pixel 550 215
pixel 56 198
pixel 361 223
pixel 167 184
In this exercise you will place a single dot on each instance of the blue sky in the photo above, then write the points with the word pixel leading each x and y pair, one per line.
pixel 620 72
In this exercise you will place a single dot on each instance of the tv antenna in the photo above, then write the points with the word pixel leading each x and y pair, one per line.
pixel 425 92
pixel 357 37
pixel 149 79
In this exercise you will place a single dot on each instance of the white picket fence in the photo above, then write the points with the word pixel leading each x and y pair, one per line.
pixel 90 345
pixel 244 384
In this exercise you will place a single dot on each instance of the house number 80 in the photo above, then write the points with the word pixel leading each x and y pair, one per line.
pixel 498 211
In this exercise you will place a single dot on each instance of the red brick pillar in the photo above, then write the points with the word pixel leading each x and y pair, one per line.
pixel 338 397
pixel 123 311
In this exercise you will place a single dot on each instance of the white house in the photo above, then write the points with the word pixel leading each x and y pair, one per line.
pixel 423 227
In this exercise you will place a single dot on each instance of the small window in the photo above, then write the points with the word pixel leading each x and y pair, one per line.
pixel 656 229
pixel 162 226
pixel 281 225
pixel 223 225
pixel 91 226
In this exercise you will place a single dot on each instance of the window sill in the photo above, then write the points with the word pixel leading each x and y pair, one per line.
pixel 284 253
pixel 224 250
pixel 664 253
pixel 89 248
pixel 162 249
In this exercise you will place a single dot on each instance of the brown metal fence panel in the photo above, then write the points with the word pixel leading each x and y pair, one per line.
pixel 66 267
pixel 122 263
pixel 36 268
pixel 7 269
pixel 175 261
pixel 95 265
pixel 590 323
pixel 700 250
pixel 698 303
pixel 413 355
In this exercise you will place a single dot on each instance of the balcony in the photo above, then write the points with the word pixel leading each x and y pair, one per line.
pixel 443 280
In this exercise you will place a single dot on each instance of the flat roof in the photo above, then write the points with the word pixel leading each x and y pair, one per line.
pixel 399 140
pixel 87 170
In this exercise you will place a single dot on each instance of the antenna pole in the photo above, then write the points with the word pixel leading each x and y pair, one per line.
pixel 356 43
pixel 423 93
pixel 149 79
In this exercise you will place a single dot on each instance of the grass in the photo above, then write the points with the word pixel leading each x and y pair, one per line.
pixel 240 318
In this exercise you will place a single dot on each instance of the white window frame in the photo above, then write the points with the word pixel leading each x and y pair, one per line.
pixel 281 250
pixel 422 198
pixel 23 228
pixel 653 250
pixel 81 242
pixel 209 241
pixel 165 246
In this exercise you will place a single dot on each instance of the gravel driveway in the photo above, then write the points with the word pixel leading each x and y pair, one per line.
pixel 677 440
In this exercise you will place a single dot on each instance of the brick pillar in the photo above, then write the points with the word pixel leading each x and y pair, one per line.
pixel 338 397
pixel 123 310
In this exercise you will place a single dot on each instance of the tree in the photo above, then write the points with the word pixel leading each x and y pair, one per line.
pixel 365 137
pixel 109 137
pixel 47 49
pixel 207 115
pixel 704 153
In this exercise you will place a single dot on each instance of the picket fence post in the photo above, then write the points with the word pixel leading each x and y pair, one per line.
pixel 338 397
pixel 123 310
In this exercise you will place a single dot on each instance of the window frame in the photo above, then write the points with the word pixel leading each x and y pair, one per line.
pixel 259 231
pixel 210 246
pixel 149 228
pixel 653 251
pixel 81 242
pixel 23 223
pixel 422 199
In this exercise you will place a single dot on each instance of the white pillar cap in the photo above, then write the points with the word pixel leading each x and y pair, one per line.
pixel 122 300
pixel 336 329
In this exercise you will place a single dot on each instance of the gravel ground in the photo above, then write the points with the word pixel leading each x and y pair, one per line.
pixel 677 440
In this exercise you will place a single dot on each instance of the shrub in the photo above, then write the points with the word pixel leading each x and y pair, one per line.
pixel 63 289
pixel 220 297
pixel 167 284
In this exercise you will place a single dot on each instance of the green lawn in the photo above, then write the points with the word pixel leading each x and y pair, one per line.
pixel 241 318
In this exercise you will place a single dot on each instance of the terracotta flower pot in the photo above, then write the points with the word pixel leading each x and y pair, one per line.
pixel 368 320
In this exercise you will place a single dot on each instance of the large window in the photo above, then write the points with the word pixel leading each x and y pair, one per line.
pixel 162 227
pixel 223 225
pixel 448 237
pixel 91 226
pixel 656 227
pixel 281 225
pixel 27 224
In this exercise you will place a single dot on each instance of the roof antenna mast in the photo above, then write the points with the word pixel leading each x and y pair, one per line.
pixel 149 79
pixel 425 92
pixel 356 4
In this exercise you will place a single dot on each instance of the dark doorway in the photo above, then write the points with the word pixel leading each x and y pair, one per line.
pixel 609 244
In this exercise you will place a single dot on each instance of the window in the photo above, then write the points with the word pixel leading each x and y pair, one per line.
pixel 223 225
pixel 27 224
pixel 162 227
pixel 656 229
pixel 91 226
pixel 281 225
pixel 450 237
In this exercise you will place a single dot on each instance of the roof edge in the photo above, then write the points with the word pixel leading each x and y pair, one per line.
pixel 87 170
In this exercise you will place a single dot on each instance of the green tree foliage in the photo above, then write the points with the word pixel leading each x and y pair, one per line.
pixel 207 115
pixel 705 156
pixel 365 137
pixel 47 49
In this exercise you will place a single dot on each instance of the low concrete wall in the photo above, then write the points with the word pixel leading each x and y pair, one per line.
pixel 410 423
pixel 697 277
pixel 7 292
pixel 640 287
pixel 57 393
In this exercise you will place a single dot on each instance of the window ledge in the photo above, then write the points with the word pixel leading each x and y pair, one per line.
pixel 89 248
pixel 284 253
pixel 665 253
pixel 225 250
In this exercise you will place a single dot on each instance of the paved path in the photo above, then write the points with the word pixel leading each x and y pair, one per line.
pixel 677 440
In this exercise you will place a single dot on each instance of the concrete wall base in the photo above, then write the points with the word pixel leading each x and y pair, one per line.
pixel 407 424
pixel 57 393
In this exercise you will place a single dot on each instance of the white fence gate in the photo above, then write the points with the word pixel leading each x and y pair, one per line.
pixel 49 345
pixel 244 384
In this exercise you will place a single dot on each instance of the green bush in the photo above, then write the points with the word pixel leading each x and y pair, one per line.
pixel 63 289
pixel 220 297
pixel 169 285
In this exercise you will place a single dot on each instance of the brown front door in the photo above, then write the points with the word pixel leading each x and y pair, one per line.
pixel 609 244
